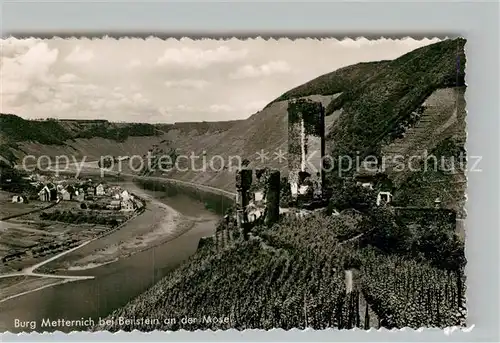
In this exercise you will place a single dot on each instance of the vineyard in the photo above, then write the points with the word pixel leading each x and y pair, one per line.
pixel 255 288
pixel 353 263
pixel 292 275
pixel 405 293
pixel 81 217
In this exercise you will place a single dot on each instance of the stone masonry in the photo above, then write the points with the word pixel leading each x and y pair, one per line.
pixel 306 147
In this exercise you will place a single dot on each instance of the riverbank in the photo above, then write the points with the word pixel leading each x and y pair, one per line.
pixel 172 225
pixel 19 285
pixel 157 224
pixel 114 284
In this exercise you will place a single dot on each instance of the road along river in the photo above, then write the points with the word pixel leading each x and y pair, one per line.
pixel 113 284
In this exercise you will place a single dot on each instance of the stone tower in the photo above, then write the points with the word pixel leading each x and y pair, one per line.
pixel 243 184
pixel 306 146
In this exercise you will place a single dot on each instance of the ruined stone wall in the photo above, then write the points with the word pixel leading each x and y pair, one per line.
pixel 258 196
pixel 243 185
pixel 273 197
pixel 260 186
pixel 306 146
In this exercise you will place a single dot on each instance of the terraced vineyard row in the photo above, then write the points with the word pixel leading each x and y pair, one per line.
pixel 440 117
pixel 405 293
pixel 293 275
pixel 255 288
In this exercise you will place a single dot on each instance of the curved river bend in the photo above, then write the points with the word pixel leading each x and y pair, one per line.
pixel 114 284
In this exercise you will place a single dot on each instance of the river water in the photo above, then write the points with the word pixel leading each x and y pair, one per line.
pixel 114 284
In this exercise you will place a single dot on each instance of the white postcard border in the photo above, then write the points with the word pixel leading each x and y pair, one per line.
pixel 478 22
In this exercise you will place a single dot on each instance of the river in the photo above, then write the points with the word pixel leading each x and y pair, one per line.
pixel 114 284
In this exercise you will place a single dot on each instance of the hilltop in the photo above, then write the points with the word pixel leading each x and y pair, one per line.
pixel 335 82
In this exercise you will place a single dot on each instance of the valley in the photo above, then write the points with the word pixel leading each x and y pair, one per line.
pixel 237 226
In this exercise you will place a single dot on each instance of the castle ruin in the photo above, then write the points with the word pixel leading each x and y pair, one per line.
pixel 258 195
pixel 306 147
pixel 243 184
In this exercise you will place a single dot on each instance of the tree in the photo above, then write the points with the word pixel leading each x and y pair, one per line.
pixel 442 247
pixel 382 231
pixel 351 195
pixel 285 192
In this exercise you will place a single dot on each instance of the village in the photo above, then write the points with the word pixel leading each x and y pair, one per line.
pixel 56 213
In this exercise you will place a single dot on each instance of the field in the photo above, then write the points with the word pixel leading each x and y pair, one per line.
pixel 44 229
pixel 15 285
pixel 8 208
pixel 24 246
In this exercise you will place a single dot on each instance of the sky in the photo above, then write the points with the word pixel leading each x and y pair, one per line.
pixel 165 81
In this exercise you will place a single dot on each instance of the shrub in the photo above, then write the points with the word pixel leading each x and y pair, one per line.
pixel 383 232
pixel 350 195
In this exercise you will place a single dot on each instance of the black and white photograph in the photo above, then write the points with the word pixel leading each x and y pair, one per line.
pixel 215 184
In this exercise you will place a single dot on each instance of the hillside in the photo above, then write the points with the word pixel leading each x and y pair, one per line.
pixel 374 109
pixel 336 81
pixel 365 266
pixel 265 130
pixel 370 109
pixel 292 275
pixel 90 138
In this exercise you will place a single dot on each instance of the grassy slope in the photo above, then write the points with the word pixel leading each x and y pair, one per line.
pixel 336 81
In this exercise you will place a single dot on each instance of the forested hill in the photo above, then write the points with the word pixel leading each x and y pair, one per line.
pixel 373 109
pixel 16 131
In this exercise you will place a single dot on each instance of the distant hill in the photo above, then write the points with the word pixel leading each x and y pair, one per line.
pixel 91 138
pixel 15 129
